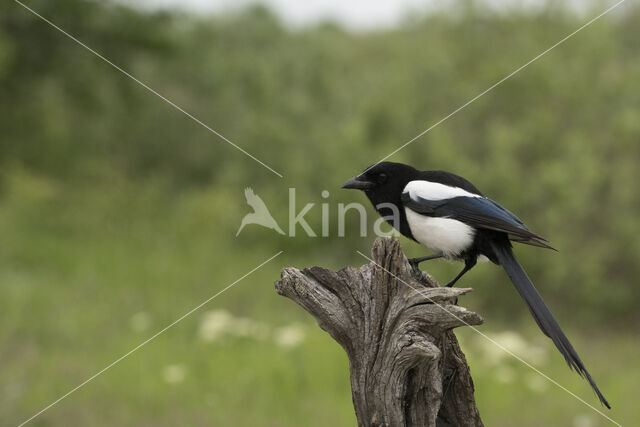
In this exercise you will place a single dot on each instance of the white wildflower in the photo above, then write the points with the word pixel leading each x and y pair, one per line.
pixel 214 324
pixel 514 343
pixel 244 327
pixel 584 420
pixel 174 374
pixel 536 383
pixel 537 354
pixel 140 322
pixel 289 336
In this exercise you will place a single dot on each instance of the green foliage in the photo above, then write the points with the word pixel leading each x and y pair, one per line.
pixel 113 203
pixel 557 144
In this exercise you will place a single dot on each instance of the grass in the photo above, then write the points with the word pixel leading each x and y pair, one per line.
pixel 88 275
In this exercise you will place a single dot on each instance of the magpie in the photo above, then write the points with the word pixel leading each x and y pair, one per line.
pixel 451 217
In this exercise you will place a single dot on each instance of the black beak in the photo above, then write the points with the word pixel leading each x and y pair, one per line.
pixel 358 183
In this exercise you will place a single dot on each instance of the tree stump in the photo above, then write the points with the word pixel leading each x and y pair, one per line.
pixel 395 324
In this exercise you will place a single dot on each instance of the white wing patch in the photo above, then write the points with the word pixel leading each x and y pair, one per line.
pixel 434 191
pixel 446 235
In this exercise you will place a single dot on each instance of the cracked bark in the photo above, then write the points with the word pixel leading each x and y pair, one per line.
pixel 395 324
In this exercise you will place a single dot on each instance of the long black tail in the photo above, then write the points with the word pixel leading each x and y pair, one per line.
pixel 541 312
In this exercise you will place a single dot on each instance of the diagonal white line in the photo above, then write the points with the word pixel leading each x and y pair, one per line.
pixel 94 376
pixel 496 343
pixel 499 82
pixel 168 101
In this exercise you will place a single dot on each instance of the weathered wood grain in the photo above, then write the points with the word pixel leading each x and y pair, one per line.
pixel 395 324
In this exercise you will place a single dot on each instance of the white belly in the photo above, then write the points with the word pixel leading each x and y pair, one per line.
pixel 446 235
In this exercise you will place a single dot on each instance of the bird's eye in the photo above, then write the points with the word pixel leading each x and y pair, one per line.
pixel 382 178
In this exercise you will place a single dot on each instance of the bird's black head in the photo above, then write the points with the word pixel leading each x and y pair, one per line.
pixel 383 182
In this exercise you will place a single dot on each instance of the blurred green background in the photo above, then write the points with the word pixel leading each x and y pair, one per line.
pixel 118 214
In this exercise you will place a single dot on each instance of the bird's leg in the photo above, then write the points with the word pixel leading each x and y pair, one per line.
pixel 414 262
pixel 468 265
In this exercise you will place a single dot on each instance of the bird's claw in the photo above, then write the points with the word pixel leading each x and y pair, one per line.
pixel 414 264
